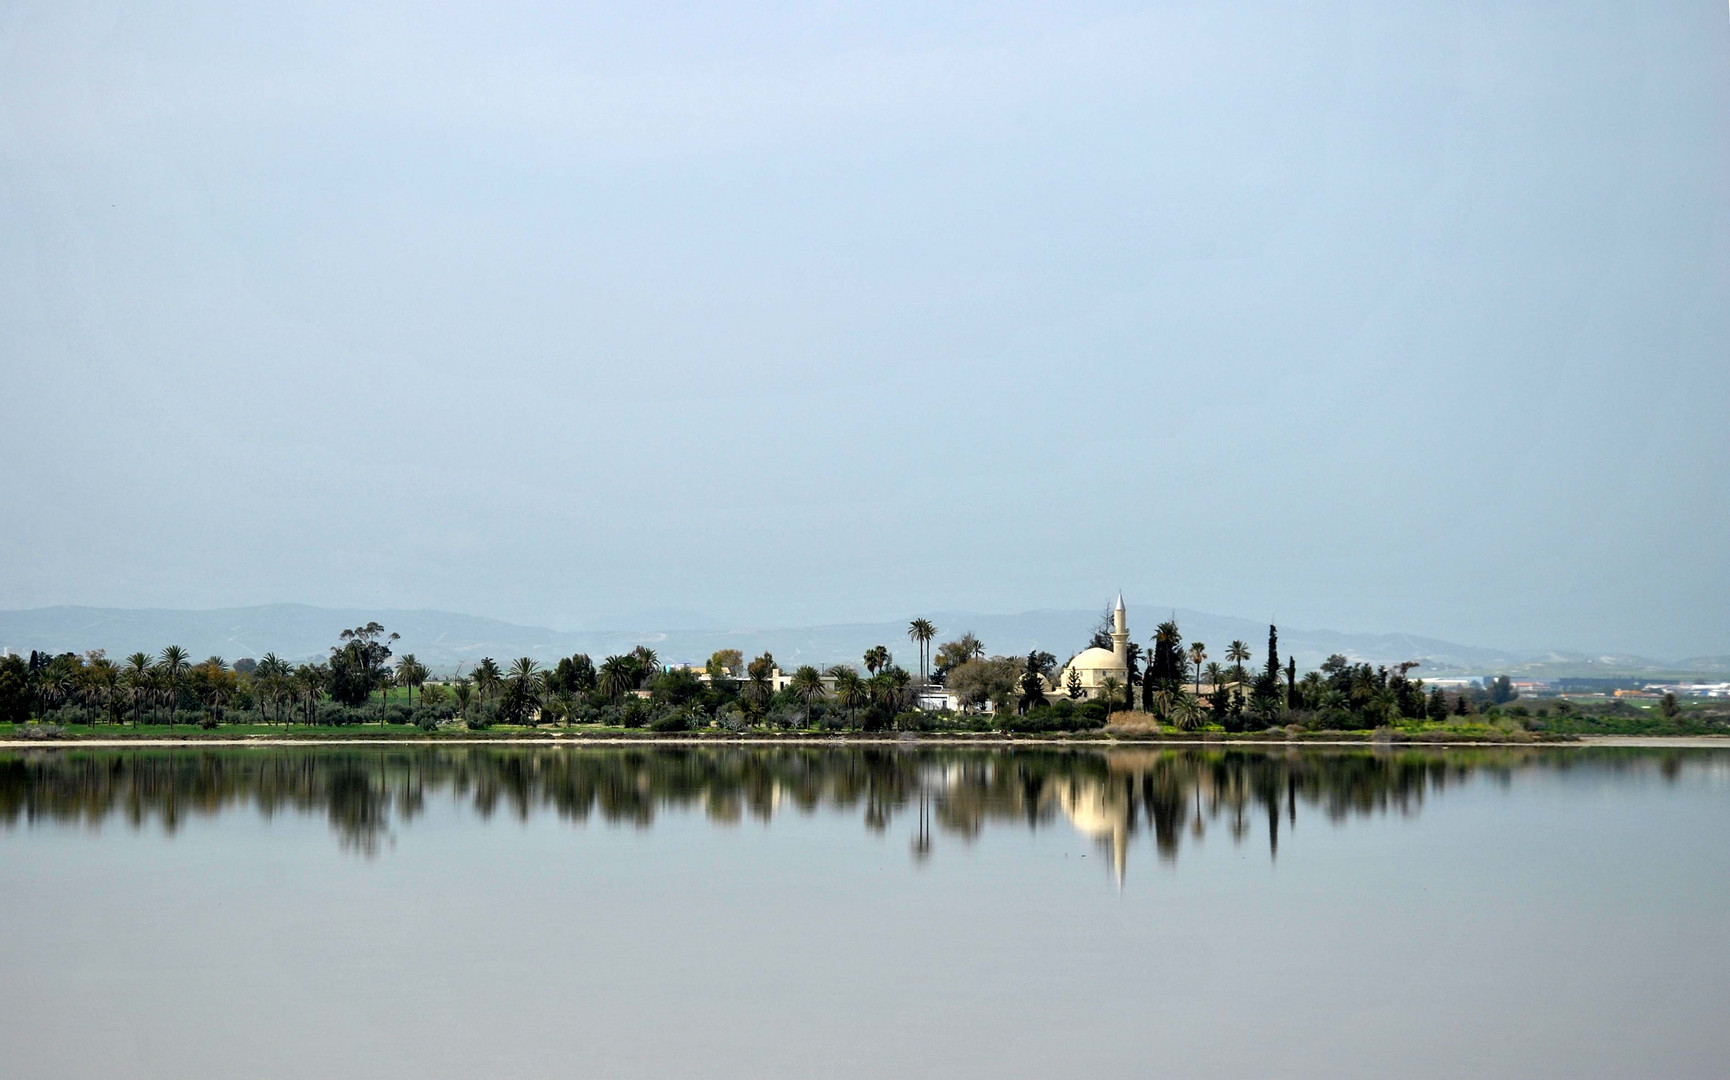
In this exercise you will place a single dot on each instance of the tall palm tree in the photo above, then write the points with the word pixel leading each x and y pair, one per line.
pixel 310 681
pixel 922 631
pixel 139 669
pixel 174 666
pixel 648 664
pixel 808 684
pixel 271 677
pixel 487 676
pixel 104 682
pixel 528 680
pixel 1197 653
pixel 412 674
pixel 1237 654
pixel 1215 675
pixel 850 692
pixel 876 658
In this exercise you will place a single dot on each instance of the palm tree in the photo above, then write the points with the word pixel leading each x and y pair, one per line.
pixel 271 677
pixel 527 681
pixel 174 667
pixel 1197 653
pixel 1215 675
pixel 1108 690
pixel 1237 654
pixel 139 669
pixel 617 677
pixel 1182 709
pixel 309 683
pixel 922 631
pixel 808 684
pixel 104 680
pixel 412 674
pixel 876 658
pixel 1310 687
pixel 464 689
pixel 850 692
pixel 648 664
pixel 487 676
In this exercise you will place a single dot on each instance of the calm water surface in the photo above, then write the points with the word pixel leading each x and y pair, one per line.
pixel 864 912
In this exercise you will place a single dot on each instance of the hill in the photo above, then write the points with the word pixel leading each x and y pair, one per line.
pixel 444 640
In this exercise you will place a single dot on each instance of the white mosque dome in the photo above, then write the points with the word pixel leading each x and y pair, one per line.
pixel 1097 660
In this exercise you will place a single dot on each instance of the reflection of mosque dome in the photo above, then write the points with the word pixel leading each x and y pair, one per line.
pixel 1094 813
pixel 1087 810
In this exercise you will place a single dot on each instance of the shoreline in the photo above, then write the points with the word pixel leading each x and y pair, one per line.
pixel 914 740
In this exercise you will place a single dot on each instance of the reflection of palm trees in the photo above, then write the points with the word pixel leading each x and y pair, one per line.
pixel 922 833
pixel 1113 794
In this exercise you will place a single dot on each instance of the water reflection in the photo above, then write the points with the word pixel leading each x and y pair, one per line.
pixel 1111 796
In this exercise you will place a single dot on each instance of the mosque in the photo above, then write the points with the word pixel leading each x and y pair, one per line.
pixel 1094 666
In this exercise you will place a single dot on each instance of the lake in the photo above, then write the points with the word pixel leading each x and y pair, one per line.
pixel 864 911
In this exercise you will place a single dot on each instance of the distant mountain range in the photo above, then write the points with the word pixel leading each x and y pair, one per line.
pixel 445 640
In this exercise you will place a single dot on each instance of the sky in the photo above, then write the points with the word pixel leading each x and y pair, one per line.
pixel 1371 317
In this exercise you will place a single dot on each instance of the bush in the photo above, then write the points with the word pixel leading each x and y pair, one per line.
pixel 398 714
pixel 334 714
pixel 207 722
pixel 635 713
pixel 671 720
pixel 1056 718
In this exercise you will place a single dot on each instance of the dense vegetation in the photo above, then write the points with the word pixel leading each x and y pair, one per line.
pixel 1173 683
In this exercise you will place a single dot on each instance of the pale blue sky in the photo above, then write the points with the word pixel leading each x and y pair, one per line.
pixel 1364 316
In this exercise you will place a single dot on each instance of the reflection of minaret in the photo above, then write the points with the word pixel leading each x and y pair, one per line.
pixel 922 837
pixel 1120 633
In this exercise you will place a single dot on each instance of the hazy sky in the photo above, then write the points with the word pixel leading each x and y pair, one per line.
pixel 1367 316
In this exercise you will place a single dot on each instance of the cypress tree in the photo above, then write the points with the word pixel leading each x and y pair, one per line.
pixel 1272 651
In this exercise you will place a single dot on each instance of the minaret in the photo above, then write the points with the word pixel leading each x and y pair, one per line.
pixel 1120 633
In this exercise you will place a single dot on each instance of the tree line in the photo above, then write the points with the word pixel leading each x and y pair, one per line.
pixel 1174 681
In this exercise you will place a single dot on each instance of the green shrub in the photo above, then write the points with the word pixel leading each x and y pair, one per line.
pixel 671 720
pixel 636 712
